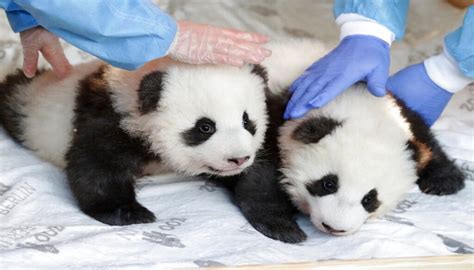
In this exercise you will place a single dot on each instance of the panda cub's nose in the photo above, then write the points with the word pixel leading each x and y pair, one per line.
pixel 238 161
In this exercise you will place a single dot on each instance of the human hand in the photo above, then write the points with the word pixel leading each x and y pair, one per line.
pixel 37 40
pixel 202 44
pixel 415 88
pixel 356 58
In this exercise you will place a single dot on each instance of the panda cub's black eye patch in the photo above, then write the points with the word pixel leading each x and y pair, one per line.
pixel 370 201
pixel 248 124
pixel 328 184
pixel 203 129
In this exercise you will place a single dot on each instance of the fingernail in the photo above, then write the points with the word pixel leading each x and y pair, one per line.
pixel 28 74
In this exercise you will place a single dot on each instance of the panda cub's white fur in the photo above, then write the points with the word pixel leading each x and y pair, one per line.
pixel 367 151
pixel 47 105
pixel 341 164
pixel 220 93
pixel 107 126
pixel 357 156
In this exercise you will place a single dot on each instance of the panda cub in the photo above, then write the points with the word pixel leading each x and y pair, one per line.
pixel 357 156
pixel 106 127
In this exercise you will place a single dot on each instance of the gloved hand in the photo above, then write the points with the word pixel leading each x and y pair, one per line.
pixel 356 58
pixel 36 40
pixel 413 86
pixel 201 44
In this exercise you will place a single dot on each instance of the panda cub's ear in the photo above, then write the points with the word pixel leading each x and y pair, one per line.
pixel 149 91
pixel 260 71
pixel 313 129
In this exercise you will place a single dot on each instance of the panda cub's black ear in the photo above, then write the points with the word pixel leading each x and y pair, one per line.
pixel 149 91
pixel 260 71
pixel 313 129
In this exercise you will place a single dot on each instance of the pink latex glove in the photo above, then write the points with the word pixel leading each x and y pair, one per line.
pixel 36 40
pixel 203 44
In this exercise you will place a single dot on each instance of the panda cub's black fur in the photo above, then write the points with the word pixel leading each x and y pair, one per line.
pixel 107 127
pixel 356 157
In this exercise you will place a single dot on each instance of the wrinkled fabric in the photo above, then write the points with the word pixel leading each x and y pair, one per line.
pixel 390 13
pixel 105 29
pixel 460 44
pixel 19 19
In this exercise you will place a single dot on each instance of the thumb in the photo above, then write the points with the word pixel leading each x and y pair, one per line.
pixel 377 80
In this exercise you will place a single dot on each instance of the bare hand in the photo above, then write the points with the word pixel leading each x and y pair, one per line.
pixel 37 40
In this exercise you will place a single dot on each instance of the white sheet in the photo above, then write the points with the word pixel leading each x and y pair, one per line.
pixel 42 228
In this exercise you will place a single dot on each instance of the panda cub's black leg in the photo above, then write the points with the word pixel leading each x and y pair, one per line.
pixel 265 205
pixel 440 176
pixel 102 180
pixel 437 174
pixel 103 160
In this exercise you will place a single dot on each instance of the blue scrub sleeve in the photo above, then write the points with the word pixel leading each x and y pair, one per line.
pixel 390 13
pixel 19 19
pixel 125 33
pixel 460 44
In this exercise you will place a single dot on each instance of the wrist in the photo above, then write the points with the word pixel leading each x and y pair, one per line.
pixel 355 24
pixel 444 72
pixel 172 46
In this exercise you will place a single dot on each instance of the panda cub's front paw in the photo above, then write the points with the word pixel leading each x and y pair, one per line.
pixel 285 230
pixel 132 213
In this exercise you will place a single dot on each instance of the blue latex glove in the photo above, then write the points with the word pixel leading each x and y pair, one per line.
pixel 356 58
pixel 413 86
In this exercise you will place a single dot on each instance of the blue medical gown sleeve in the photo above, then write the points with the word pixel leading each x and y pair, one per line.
pixel 460 44
pixel 19 19
pixel 125 33
pixel 390 13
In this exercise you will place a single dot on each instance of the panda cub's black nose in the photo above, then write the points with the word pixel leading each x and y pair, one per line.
pixel 331 230
pixel 238 161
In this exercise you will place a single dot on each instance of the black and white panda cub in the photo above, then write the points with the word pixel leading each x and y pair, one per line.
pixel 107 127
pixel 357 156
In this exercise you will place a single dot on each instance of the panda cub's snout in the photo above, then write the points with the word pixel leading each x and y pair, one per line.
pixel 238 161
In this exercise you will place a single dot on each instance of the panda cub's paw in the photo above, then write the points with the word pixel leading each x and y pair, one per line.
pixel 281 229
pixel 445 181
pixel 132 213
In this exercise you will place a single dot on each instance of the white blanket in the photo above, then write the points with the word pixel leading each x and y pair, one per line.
pixel 41 226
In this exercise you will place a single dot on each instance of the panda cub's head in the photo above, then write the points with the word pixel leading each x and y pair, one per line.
pixel 347 161
pixel 202 120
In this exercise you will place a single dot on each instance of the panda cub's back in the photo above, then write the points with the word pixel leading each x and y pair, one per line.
pixel 39 112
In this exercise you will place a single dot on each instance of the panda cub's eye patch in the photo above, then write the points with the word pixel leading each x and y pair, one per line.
pixel 328 184
pixel 248 124
pixel 203 129
pixel 370 201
